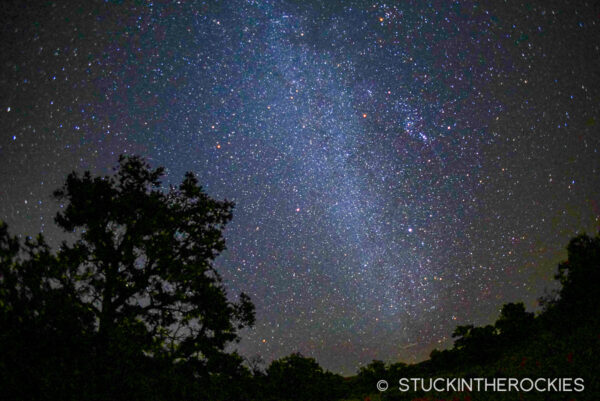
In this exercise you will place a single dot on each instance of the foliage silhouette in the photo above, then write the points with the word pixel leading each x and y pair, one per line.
pixel 513 322
pixel 133 308
pixel 137 288
pixel 561 341
pixel 143 260
pixel 298 378
pixel 579 276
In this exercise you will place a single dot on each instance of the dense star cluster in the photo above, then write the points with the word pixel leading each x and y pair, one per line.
pixel 398 168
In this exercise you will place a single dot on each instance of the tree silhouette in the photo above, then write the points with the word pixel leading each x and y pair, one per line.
pixel 138 278
pixel 298 378
pixel 144 257
pixel 580 273
pixel 514 322
pixel 369 375
pixel 45 333
pixel 476 344
pixel 578 299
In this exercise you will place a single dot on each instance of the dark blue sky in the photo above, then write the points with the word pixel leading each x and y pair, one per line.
pixel 398 169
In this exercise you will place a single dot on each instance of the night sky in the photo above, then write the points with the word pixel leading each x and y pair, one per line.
pixel 397 170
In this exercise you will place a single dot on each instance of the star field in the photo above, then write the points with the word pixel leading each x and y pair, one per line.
pixel 398 169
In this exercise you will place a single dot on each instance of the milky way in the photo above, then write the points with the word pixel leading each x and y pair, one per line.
pixel 397 169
